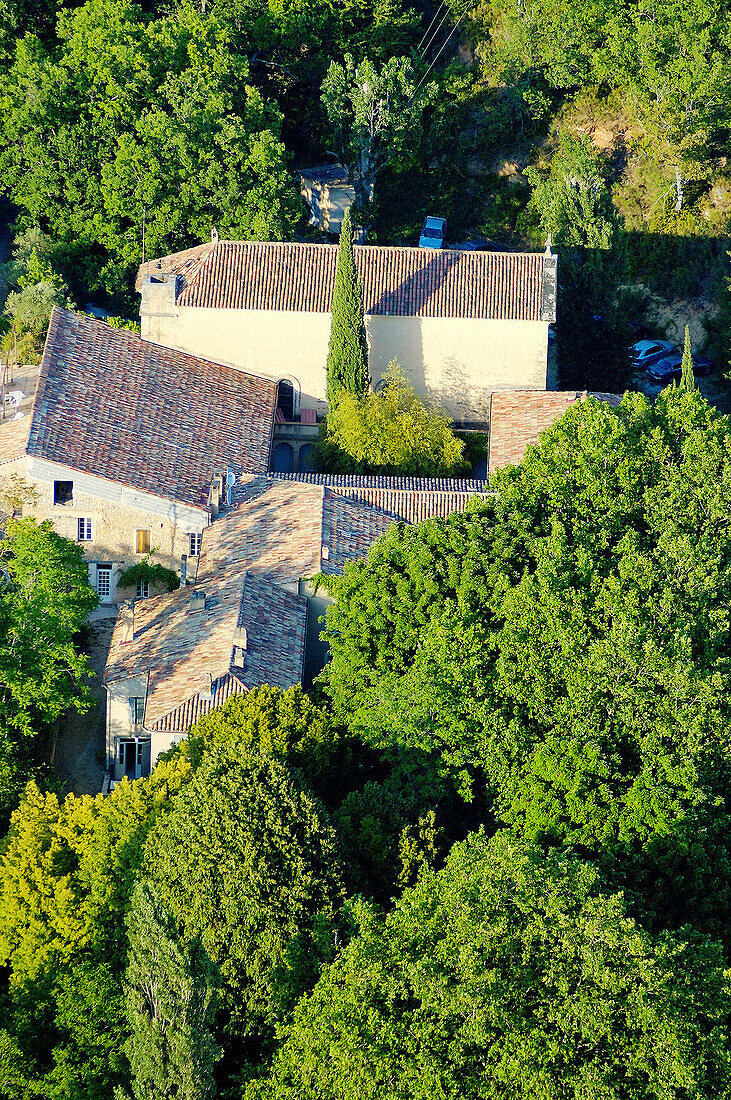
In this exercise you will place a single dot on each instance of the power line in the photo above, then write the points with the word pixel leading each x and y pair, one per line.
pixel 436 13
pixel 436 31
pixel 440 51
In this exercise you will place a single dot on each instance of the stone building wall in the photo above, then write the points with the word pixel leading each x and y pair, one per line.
pixel 116 514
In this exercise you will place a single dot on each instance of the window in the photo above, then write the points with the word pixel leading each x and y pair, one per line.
pixel 285 399
pixel 84 534
pixel 195 544
pixel 142 541
pixel 143 590
pixel 63 492
pixel 136 711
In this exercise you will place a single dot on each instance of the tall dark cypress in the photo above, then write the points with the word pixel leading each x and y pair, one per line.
pixel 687 378
pixel 347 354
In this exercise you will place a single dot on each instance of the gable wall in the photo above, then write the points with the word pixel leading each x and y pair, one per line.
pixel 116 513
pixel 455 362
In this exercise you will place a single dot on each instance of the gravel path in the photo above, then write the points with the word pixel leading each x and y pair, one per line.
pixel 81 747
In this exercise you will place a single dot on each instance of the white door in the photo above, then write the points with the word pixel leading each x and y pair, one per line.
pixel 139 759
pixel 104 583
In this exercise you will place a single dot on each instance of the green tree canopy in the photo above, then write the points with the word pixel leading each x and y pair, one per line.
pixel 376 116
pixel 571 199
pixel 347 352
pixel 44 600
pixel 247 864
pixel 687 380
pixel 137 123
pixel 562 647
pixel 392 431
pixel 286 725
pixel 67 871
pixel 509 973
pixel 170 992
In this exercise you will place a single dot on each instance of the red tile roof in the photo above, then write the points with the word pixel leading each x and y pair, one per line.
pixel 183 652
pixel 396 281
pixel 517 418
pixel 111 404
pixel 411 499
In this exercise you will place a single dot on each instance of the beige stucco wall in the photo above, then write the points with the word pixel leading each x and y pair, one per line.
pixel 454 362
pixel 116 513
pixel 118 717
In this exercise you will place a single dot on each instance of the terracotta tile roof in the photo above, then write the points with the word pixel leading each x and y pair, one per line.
pixel 517 418
pixel 278 532
pixel 349 529
pixel 14 438
pixel 184 264
pixel 180 720
pixel 184 652
pixel 111 404
pixel 396 281
pixel 278 529
pixel 411 499
pixel 290 527
pixel 273 530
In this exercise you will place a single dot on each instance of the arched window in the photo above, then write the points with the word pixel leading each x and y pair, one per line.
pixel 283 459
pixel 287 398
pixel 306 459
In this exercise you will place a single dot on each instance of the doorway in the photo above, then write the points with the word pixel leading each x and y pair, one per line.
pixel 133 758
pixel 104 583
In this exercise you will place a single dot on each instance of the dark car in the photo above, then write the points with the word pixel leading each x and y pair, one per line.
pixel 645 352
pixel 665 370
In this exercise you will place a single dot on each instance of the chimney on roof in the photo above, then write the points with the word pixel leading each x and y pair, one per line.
pixel 183 570
pixel 216 491
pixel 197 600
pixel 126 621
pixel 159 293
pixel 214 235
pixel 550 284
pixel 241 641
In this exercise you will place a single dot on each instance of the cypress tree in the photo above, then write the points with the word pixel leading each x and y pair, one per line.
pixel 347 355
pixel 687 378
pixel 170 1006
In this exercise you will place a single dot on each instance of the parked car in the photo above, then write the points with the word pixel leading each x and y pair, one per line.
pixel 645 352
pixel 480 244
pixel 433 233
pixel 671 366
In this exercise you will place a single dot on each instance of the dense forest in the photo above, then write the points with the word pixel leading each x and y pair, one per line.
pixel 486 855
pixel 131 128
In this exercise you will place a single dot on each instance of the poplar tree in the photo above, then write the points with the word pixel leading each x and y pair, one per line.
pixel 170 1006
pixel 347 356
pixel 687 378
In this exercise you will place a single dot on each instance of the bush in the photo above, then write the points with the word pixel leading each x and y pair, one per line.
pixel 391 432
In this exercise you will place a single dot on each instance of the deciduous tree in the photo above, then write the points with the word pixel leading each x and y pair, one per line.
pixel 393 432
pixel 170 1000
pixel 247 864
pixel 562 647
pixel 509 973
pixel 376 115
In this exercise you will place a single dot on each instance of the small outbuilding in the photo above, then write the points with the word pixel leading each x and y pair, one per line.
pixel 328 192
